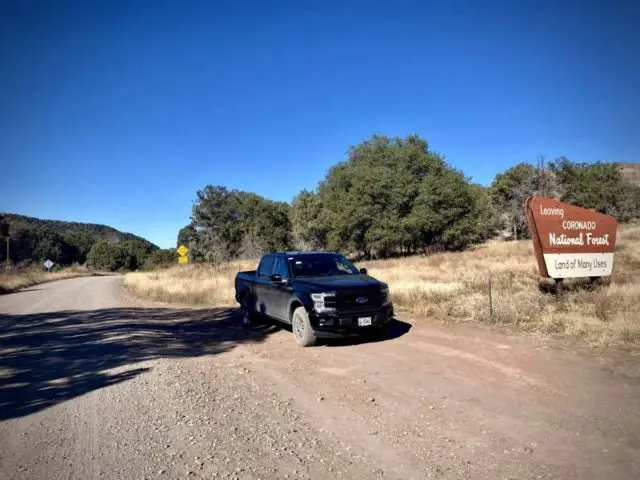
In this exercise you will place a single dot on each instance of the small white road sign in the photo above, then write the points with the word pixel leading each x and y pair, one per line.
pixel 48 264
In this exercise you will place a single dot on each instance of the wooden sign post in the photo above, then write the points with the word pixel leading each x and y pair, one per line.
pixel 570 241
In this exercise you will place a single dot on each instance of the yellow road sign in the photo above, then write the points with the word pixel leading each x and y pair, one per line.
pixel 183 259
pixel 182 250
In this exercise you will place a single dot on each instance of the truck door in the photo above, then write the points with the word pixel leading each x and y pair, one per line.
pixel 263 283
pixel 280 292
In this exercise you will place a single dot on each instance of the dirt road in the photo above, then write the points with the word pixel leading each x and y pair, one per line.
pixel 94 385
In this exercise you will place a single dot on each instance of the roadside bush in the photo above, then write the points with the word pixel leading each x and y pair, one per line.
pixel 162 258
pixel 106 256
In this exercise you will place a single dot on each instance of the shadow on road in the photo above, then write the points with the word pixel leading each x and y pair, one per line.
pixel 5 291
pixel 47 358
pixel 395 329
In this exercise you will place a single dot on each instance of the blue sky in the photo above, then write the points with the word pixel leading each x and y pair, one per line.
pixel 117 112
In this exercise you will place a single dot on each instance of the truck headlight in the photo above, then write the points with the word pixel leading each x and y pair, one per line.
pixel 384 295
pixel 324 302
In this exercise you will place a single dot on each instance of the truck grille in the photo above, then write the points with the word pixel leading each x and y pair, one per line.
pixel 352 300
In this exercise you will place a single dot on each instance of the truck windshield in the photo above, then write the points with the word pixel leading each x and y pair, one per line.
pixel 321 266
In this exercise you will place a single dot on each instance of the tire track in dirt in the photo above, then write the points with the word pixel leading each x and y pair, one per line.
pixel 454 402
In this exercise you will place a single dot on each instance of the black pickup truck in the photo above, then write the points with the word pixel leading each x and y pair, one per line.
pixel 320 294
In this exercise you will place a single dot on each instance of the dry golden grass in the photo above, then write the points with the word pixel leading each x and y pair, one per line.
pixel 454 287
pixel 15 280
pixel 192 284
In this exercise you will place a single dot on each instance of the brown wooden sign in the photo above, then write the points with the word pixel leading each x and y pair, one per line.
pixel 570 241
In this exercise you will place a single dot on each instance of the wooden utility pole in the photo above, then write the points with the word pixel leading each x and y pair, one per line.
pixel 8 259
pixel 4 233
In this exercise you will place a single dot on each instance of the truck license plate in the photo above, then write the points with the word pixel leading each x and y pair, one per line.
pixel 364 321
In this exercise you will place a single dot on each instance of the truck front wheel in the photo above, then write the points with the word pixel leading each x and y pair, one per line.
pixel 302 331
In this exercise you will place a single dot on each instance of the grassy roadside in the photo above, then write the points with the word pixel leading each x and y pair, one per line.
pixel 189 284
pixel 454 287
pixel 15 280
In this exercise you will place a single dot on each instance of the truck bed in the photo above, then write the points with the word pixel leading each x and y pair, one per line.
pixel 247 274
pixel 244 282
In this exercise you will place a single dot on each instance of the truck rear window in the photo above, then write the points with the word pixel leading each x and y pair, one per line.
pixel 266 266
pixel 321 266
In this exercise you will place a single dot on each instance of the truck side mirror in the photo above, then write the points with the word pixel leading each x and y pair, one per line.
pixel 276 278
pixel 363 271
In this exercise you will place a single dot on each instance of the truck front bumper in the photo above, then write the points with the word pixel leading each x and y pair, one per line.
pixel 348 323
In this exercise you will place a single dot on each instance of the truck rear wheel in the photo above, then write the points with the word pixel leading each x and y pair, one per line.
pixel 249 316
pixel 302 331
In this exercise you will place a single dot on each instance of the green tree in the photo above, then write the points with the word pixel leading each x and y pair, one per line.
pixel 600 186
pixel 309 230
pixel 161 258
pixel 106 256
pixel 4 226
pixel 23 241
pixel 629 204
pixel 134 253
pixel 49 247
pixel 81 242
pixel 392 196
pixel 228 224
pixel 4 237
pixel 485 213
pixel 265 225
pixel 447 212
pixel 364 198
pixel 216 221
pixel 186 235
pixel 510 189
pixel 44 243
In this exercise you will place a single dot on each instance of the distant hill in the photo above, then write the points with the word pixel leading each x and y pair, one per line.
pixel 102 232
pixel 632 172
pixel 35 239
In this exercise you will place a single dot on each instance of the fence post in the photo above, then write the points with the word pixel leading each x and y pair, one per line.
pixel 490 299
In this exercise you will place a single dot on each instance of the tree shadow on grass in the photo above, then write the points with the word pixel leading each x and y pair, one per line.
pixel 572 285
pixel 47 358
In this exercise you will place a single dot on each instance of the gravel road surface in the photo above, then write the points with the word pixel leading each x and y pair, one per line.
pixel 96 385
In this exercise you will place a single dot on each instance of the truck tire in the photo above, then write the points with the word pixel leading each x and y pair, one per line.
pixel 249 316
pixel 301 327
